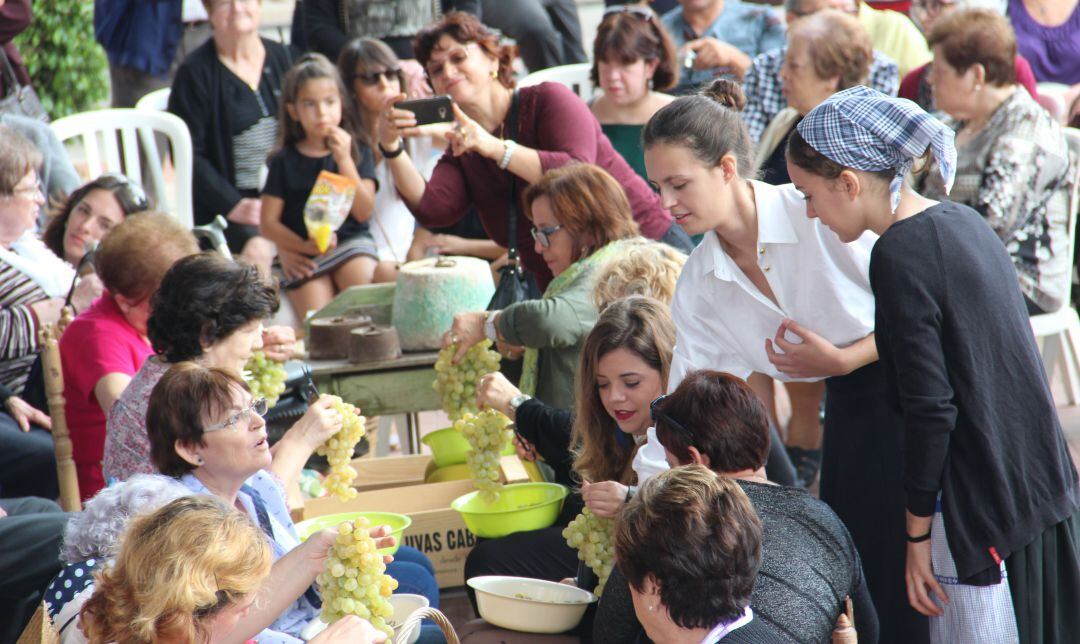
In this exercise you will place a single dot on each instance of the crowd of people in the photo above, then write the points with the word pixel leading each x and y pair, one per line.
pixel 778 279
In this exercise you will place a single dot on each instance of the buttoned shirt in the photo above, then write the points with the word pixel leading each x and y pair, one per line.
pixel 762 86
pixel 722 320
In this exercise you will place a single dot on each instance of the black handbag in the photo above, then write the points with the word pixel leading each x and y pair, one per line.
pixel 18 99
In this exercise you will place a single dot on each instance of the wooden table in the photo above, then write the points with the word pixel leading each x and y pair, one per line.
pixel 401 386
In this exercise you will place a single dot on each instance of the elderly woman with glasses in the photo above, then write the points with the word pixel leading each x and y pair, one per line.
pixel 503 141
pixel 207 431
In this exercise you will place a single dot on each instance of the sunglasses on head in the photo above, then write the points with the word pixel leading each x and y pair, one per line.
pixel 658 414
pixel 372 78
pixel 638 10
pixel 136 195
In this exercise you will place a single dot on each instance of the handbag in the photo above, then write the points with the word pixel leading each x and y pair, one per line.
pixel 19 99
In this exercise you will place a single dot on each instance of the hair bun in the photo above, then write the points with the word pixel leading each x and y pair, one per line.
pixel 727 93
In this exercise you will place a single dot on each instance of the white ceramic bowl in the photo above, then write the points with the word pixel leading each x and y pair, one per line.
pixel 530 605
pixel 405 605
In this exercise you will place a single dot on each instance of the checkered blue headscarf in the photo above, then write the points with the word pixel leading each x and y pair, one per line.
pixel 862 128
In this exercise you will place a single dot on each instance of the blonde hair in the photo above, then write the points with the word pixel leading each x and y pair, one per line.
pixel 134 257
pixel 177 568
pixel 642 267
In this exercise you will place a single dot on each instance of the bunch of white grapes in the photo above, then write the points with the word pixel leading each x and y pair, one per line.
pixel 338 450
pixel 354 582
pixel 456 383
pixel 488 433
pixel 265 377
pixel 593 538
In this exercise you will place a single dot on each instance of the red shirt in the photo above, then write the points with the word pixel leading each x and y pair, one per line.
pixel 557 124
pixel 99 341
pixel 911 87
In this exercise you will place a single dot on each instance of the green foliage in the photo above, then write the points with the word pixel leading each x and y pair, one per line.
pixel 66 64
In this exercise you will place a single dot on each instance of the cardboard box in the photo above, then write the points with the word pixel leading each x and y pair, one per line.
pixel 390 471
pixel 437 530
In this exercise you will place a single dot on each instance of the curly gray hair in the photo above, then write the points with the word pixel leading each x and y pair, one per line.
pixel 95 532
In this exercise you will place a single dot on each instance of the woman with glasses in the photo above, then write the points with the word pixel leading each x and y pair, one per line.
pixel 227 92
pixel 503 141
pixel 578 215
pixel 207 431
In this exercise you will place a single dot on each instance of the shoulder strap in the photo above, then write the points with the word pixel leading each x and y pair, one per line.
pixel 8 80
pixel 511 227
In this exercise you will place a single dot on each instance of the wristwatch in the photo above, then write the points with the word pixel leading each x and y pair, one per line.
pixel 489 326
pixel 517 401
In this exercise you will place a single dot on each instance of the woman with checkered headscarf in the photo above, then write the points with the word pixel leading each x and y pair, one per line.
pixel 992 495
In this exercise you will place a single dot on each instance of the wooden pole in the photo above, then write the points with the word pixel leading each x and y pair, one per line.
pixel 54 388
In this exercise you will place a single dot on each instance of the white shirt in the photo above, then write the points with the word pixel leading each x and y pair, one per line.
pixel 722 320
pixel 392 225
pixel 193 11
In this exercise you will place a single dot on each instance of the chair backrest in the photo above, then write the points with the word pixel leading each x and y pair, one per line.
pixel 1072 136
pixel 155 101
pixel 123 140
pixel 48 336
pixel 40 629
pixel 575 76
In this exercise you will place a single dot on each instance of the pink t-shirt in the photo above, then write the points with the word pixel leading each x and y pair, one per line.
pixel 98 342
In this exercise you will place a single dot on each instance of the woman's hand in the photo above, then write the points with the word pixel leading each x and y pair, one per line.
pixel 279 343
pixel 340 143
pixel 496 392
pixel 448 244
pixel 26 414
pixel 813 357
pixel 526 451
pixel 509 351
pixel 467 330
pixel 247 212
pixel 349 630
pixel 395 124
pixel 318 424
pixel 296 265
pixel 921 580
pixel 470 136
pixel 87 290
pixel 604 498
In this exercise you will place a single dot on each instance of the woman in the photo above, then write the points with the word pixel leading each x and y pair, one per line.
pixel 578 213
pixel 689 544
pixel 623 366
pixel 105 346
pixel 206 430
pixel 504 141
pixel 770 292
pixel 33 284
pixel 89 213
pixel 809 563
pixel 227 92
pixel 1048 35
pixel 634 63
pixel 1012 157
pixel 193 571
pixel 222 331
pixel 954 338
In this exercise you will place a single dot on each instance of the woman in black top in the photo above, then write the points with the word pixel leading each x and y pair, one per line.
pixel 982 436
pixel 227 92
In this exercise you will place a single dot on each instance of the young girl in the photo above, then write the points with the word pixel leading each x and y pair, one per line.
pixel 316 134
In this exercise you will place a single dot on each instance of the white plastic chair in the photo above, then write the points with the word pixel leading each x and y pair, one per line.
pixel 155 101
pixel 114 140
pixel 1059 331
pixel 575 76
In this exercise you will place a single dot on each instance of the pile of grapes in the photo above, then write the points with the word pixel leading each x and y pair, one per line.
pixel 353 582
pixel 265 377
pixel 593 538
pixel 456 383
pixel 488 433
pixel 338 450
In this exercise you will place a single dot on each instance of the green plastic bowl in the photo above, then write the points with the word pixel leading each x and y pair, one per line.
pixel 519 508
pixel 449 447
pixel 398 523
pixel 459 472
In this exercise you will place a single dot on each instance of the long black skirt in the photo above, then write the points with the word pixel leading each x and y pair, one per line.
pixel 862 466
pixel 1044 581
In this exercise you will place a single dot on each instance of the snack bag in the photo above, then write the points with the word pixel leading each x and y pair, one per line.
pixel 327 206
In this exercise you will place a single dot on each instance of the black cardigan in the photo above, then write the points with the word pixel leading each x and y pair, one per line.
pixel 196 97
pixel 548 429
pixel 961 361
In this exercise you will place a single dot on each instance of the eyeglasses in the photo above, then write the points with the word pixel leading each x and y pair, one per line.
pixel 658 414
pixel 258 406
pixel 372 78
pixel 136 195
pixel 543 235
pixel 638 10
pixel 37 189
pixel 457 57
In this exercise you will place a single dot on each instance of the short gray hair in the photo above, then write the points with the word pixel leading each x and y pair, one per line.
pixel 95 532
pixel 18 157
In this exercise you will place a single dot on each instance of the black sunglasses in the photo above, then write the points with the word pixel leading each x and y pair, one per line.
pixel 372 78
pixel 638 10
pixel 658 414
pixel 543 235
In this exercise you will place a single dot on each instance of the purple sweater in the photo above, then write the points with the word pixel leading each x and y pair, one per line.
pixel 557 124
pixel 1054 52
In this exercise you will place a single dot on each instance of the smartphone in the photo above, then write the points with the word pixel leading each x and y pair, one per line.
pixel 436 109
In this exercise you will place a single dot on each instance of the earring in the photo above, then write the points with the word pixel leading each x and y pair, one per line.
pixel 978 88
pixel 652 608
pixel 200 461
pixel 650 84
pixel 495 74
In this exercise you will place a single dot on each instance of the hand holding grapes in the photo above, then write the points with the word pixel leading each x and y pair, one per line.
pixel 605 498
pixel 318 424
pixel 495 391
pixel 467 330
pixel 279 343
pixel 350 630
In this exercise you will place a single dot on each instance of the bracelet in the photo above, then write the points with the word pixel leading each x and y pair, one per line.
pixel 390 154
pixel 918 539
pixel 508 151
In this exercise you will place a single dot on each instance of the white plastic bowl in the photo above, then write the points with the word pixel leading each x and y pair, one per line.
pixel 530 605
pixel 405 605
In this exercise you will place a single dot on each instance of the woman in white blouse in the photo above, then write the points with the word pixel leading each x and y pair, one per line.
pixel 773 293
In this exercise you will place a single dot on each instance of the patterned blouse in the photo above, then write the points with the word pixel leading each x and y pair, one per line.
pixel 18 326
pixel 1016 173
pixel 127 447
